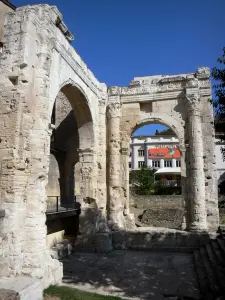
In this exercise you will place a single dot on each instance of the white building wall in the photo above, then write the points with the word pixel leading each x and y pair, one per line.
pixel 147 142
pixel 220 164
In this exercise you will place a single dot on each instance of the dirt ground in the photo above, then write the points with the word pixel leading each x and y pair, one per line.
pixel 133 274
pixel 157 216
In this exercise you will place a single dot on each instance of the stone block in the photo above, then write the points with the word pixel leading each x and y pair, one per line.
pixel 9 295
pixel 21 288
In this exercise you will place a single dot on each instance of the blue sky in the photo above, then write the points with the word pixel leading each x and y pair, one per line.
pixel 120 39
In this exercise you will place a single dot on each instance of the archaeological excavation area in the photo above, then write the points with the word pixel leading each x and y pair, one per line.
pixel 65 148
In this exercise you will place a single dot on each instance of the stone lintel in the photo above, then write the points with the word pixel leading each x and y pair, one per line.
pixel 171 79
pixel 152 97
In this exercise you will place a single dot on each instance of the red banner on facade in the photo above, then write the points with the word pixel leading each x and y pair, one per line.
pixel 154 153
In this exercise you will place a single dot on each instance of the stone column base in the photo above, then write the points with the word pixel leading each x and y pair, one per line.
pixel 198 227
pixel 104 242
pixel 130 221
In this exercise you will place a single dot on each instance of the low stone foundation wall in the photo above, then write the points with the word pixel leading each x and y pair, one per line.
pixel 149 201
pixel 164 239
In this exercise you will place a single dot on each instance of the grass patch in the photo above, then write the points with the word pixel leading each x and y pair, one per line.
pixel 66 293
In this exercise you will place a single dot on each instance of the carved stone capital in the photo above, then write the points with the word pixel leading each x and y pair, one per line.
pixel 114 110
pixel 193 102
pixel 86 171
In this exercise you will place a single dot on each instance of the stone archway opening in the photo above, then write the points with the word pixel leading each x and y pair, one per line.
pixel 155 175
pixel 72 135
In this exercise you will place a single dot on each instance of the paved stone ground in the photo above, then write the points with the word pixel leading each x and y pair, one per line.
pixel 133 274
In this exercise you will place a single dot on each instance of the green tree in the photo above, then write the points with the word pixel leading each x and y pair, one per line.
pixel 142 180
pixel 219 102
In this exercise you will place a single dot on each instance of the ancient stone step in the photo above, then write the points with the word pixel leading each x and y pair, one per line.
pixel 218 272
pixel 221 244
pixel 218 253
pixel 213 282
pixel 202 276
pixel 211 255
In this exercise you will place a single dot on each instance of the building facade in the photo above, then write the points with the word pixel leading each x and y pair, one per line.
pixel 162 153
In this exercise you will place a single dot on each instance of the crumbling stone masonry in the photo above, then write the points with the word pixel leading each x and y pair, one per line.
pixel 38 66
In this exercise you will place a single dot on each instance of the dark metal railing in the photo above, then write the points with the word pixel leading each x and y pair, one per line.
pixel 169 183
pixel 55 204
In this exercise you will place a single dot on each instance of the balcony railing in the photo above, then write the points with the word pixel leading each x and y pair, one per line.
pixel 169 183
pixel 56 205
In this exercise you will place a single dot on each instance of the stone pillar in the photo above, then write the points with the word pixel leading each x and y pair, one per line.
pixel 132 156
pixel 198 220
pixel 88 177
pixel 116 207
pixel 125 158
pixel 103 237
pixel 184 187
pixel 89 209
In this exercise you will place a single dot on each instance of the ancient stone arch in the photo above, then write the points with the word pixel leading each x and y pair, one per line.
pixel 128 126
pixel 38 65
pixel 184 104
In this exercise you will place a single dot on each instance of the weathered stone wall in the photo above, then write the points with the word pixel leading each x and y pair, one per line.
pixel 145 201
pixel 3 10
pixel 37 62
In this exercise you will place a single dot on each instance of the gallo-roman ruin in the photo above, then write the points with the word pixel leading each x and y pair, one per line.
pixel 54 112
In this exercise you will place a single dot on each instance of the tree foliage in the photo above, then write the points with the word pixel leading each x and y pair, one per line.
pixel 142 180
pixel 219 102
